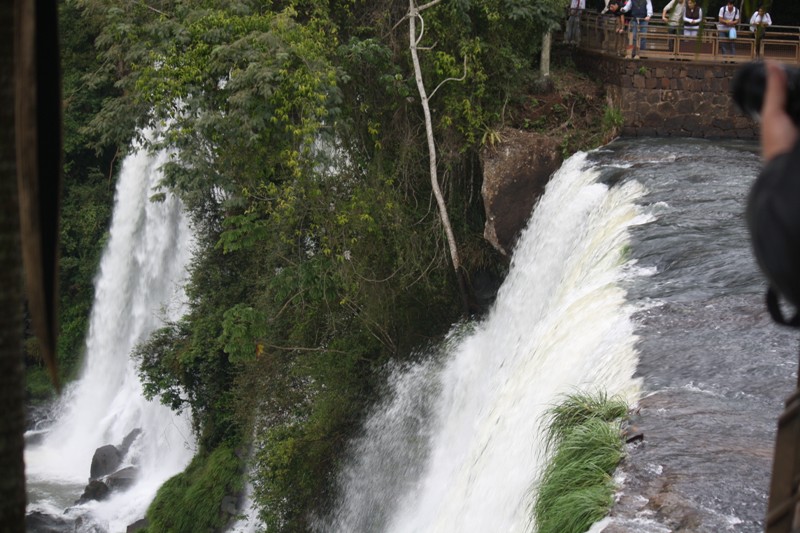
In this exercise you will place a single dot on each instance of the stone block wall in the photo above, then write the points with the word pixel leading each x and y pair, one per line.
pixel 670 98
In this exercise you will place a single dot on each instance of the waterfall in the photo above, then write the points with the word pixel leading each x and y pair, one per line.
pixel 139 286
pixel 456 446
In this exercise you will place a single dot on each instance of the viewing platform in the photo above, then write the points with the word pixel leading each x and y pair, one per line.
pixel 679 86
pixel 780 43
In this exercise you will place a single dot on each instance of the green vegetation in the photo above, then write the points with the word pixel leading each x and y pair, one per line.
pixel 612 119
pixel 301 156
pixel 585 441
pixel 182 503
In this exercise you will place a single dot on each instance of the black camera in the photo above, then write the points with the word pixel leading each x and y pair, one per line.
pixel 750 83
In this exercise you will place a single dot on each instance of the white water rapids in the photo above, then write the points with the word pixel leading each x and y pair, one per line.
pixel 456 445
pixel 139 286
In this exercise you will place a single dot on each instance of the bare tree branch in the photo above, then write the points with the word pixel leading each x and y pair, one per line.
pixel 151 8
pixel 413 41
pixel 421 29
pixel 301 348
pixel 429 4
pixel 462 78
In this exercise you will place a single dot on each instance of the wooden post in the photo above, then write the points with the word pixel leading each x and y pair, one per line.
pixel 783 507
pixel 37 80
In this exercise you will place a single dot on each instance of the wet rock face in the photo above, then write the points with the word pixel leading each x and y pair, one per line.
pixel 122 479
pixel 137 526
pixel 106 459
pixel 129 439
pixel 105 473
pixel 37 522
pixel 95 490
pixel 515 172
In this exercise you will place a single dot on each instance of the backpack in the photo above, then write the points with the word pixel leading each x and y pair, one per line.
pixel 723 10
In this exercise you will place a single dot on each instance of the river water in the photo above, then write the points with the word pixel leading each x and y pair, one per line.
pixel 715 369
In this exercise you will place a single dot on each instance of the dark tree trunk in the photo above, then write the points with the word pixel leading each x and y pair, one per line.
pixel 12 419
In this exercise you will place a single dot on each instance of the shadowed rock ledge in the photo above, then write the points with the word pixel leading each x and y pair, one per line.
pixel 515 172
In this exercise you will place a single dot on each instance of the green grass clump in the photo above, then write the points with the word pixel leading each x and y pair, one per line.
pixel 576 489
pixel 578 408
pixel 190 502
pixel 612 119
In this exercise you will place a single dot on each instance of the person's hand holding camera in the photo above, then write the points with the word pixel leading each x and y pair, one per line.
pixel 778 133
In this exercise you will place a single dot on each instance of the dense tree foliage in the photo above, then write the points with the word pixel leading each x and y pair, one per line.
pixel 300 153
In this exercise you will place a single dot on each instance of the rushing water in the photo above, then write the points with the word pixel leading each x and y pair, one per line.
pixel 139 286
pixel 715 368
pixel 634 276
pixel 454 447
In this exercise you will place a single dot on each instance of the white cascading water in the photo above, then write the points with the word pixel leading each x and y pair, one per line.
pixel 138 288
pixel 457 445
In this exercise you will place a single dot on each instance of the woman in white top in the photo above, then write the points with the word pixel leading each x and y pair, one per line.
pixel 673 16
pixel 760 20
pixel 758 23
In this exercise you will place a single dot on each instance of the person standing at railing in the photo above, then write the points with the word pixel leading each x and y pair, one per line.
pixel 758 25
pixel 673 16
pixel 640 12
pixel 614 10
pixel 614 7
pixel 726 28
pixel 573 35
pixel 692 18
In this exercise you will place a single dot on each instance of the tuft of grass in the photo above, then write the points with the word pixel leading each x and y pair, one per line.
pixel 577 510
pixel 576 409
pixel 612 118
pixel 191 501
pixel 585 440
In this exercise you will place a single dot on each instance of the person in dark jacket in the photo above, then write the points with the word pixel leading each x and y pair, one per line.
pixel 639 12
pixel 692 18
pixel 773 205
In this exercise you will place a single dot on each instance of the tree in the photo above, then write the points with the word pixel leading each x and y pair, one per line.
pixel 12 482
pixel 29 182
pixel 414 13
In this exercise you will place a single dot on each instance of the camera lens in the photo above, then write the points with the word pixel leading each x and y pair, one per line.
pixel 749 86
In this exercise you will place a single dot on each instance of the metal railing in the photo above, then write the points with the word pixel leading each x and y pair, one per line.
pixel 598 33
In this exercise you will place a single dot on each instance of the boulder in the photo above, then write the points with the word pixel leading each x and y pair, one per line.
pixel 95 490
pixel 127 441
pixel 33 437
pixel 106 460
pixel 86 524
pixel 515 172
pixel 136 526
pixel 229 505
pixel 121 479
pixel 485 285
pixel 38 522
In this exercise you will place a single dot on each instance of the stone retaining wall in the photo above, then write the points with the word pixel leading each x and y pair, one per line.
pixel 670 98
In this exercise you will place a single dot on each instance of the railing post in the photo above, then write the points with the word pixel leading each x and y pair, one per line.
pixel 782 508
